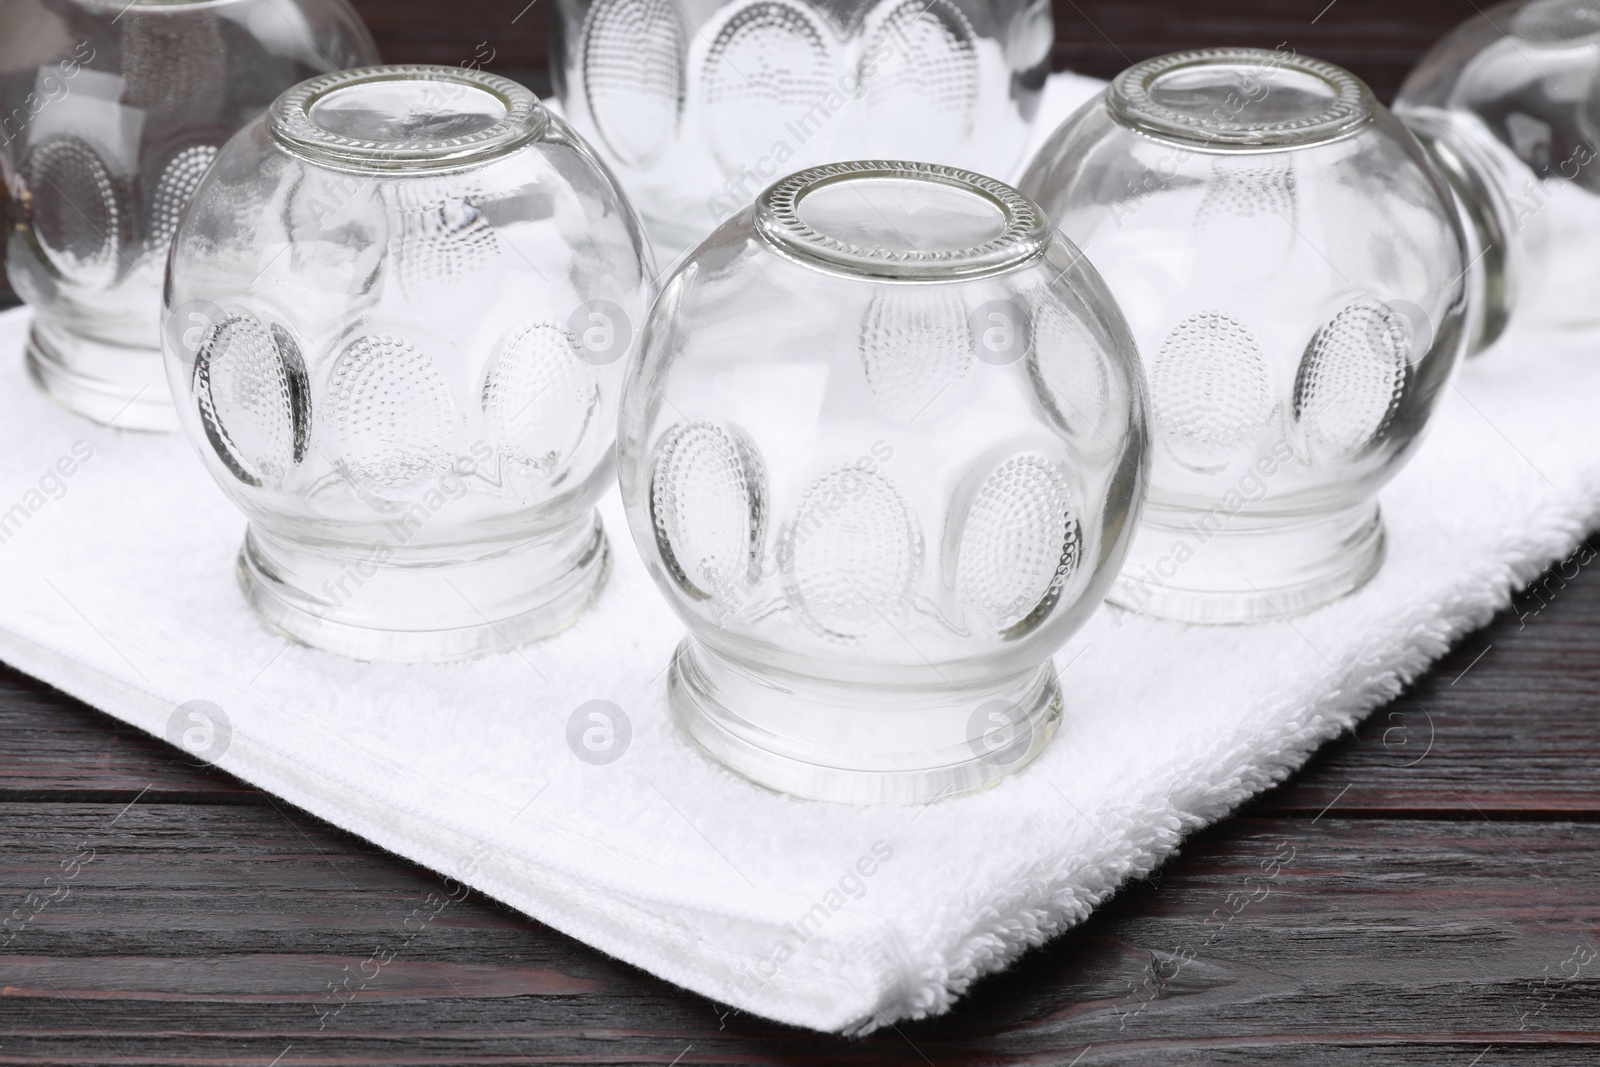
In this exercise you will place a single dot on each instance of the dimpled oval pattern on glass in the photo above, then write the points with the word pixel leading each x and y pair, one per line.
pixel 1557 21
pixel 1250 192
pixel 174 65
pixel 915 346
pixel 1210 389
pixel 633 75
pixel 708 510
pixel 770 58
pixel 936 61
pixel 1019 547
pixel 75 209
pixel 442 237
pixel 254 399
pixel 540 398
pixel 396 421
pixel 1353 378
pixel 174 189
pixel 851 554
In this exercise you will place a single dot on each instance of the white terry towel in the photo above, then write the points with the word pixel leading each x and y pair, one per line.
pixel 118 587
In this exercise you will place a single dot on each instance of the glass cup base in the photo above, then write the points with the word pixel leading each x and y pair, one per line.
pixel 411 609
pixel 861 744
pixel 1193 568
pixel 121 387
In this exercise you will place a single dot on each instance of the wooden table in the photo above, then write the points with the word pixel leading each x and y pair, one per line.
pixel 1436 901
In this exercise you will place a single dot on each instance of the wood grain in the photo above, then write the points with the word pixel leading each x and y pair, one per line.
pixel 1504 725
pixel 214 931
pixel 1369 911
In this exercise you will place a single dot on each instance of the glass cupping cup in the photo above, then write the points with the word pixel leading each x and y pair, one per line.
pixel 111 112
pixel 1509 105
pixel 697 108
pixel 398 315
pixel 1293 271
pixel 882 451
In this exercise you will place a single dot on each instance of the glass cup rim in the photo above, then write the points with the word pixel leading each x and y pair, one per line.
pixel 1129 100
pixel 289 120
pixel 1026 232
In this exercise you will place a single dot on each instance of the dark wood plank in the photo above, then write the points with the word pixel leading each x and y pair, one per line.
pixel 1507 724
pixel 507 36
pixel 59 749
pixel 212 934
